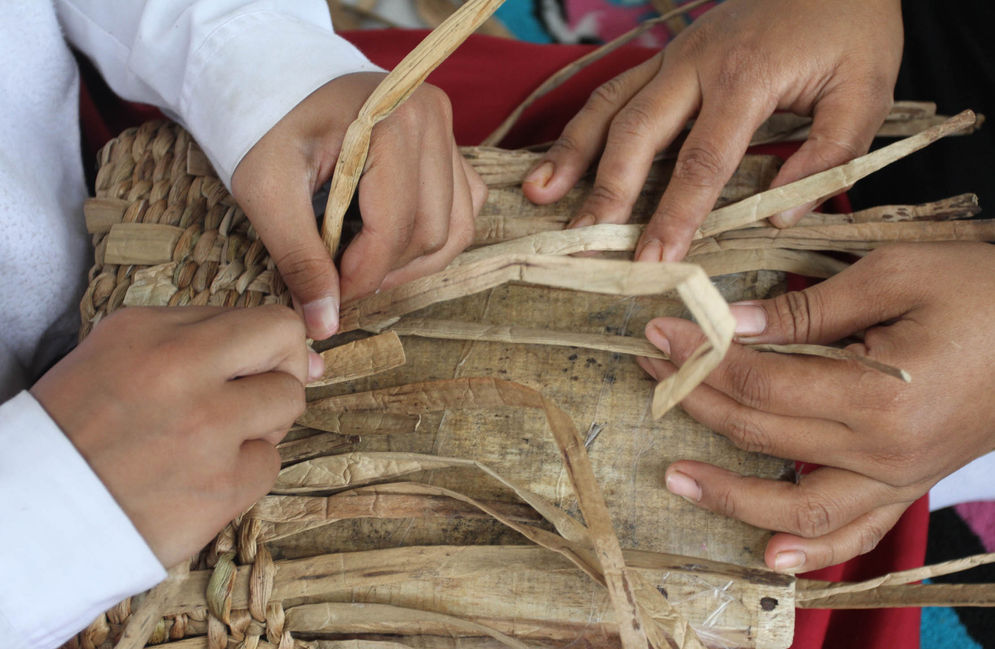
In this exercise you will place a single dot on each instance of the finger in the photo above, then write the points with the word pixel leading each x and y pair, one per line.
pixel 405 214
pixel 256 471
pixel 791 554
pixel 254 341
pixel 807 439
pixel 262 406
pixel 467 201
pixel 874 290
pixel 843 127
pixel 278 203
pixel 584 136
pixel 822 502
pixel 646 125
pixel 706 161
pixel 779 384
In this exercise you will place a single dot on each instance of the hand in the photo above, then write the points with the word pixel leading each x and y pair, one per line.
pixel 882 443
pixel 418 196
pixel 836 61
pixel 178 410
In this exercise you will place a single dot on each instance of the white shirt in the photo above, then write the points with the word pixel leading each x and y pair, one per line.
pixel 228 70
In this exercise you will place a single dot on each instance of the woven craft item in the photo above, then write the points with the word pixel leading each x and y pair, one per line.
pixel 435 498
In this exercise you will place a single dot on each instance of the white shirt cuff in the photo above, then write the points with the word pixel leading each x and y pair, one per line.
pixel 970 483
pixel 280 61
pixel 67 550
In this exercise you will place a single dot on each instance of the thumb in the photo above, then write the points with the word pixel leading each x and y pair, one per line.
pixel 868 293
pixel 843 128
pixel 278 204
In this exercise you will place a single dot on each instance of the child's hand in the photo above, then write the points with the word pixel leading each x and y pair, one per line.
pixel 177 411
pixel 730 70
pixel 926 308
pixel 418 196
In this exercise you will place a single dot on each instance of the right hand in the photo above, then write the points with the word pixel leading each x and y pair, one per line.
pixel 178 410
pixel 731 69
pixel 418 196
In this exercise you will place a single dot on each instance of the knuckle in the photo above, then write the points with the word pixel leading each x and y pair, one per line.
pixel 795 312
pixel 634 121
pixel 565 145
pixel 607 96
pixel 746 433
pixel 752 386
pixel 725 503
pixel 812 517
pixel 698 165
pixel 606 193
pixel 868 536
pixel 303 271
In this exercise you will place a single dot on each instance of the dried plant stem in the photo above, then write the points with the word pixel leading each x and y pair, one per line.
pixel 961 206
pixel 974 595
pixel 854 237
pixel 592 275
pixel 454 330
pixel 361 423
pixel 142 622
pixel 397 86
pixel 463 393
pixel 361 358
pixel 827 183
pixel 331 617
pixel 819 590
pixel 800 262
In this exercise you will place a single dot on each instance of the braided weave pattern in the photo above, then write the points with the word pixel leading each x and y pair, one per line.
pixel 218 259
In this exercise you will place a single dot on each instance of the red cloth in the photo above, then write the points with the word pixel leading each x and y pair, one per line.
pixel 485 79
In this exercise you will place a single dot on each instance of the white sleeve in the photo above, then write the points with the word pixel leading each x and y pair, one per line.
pixel 228 70
pixel 67 550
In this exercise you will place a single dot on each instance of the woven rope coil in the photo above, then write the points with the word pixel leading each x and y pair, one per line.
pixel 205 252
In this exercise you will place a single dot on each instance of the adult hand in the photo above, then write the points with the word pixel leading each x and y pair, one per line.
pixel 418 196
pixel 178 410
pixel 836 61
pixel 882 443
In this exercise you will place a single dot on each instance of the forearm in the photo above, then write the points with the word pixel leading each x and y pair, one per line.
pixel 227 70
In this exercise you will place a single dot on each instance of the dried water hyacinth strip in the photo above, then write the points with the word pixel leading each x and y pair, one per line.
pixel 361 358
pixel 800 262
pixel 836 354
pixel 967 595
pixel 396 87
pixel 454 330
pixel 358 423
pixel 336 617
pixel 817 590
pixel 962 206
pixel 827 183
pixel 306 448
pixel 855 237
pixel 591 275
pixel 142 622
pixel 465 568
pixel 327 473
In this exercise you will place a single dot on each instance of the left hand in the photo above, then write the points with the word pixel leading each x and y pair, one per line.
pixel 418 197
pixel 882 443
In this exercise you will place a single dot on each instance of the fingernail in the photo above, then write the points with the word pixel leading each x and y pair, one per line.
pixel 315 365
pixel 788 218
pixel 651 252
pixel 582 222
pixel 683 485
pixel 789 560
pixel 657 336
pixel 751 319
pixel 322 317
pixel 541 174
